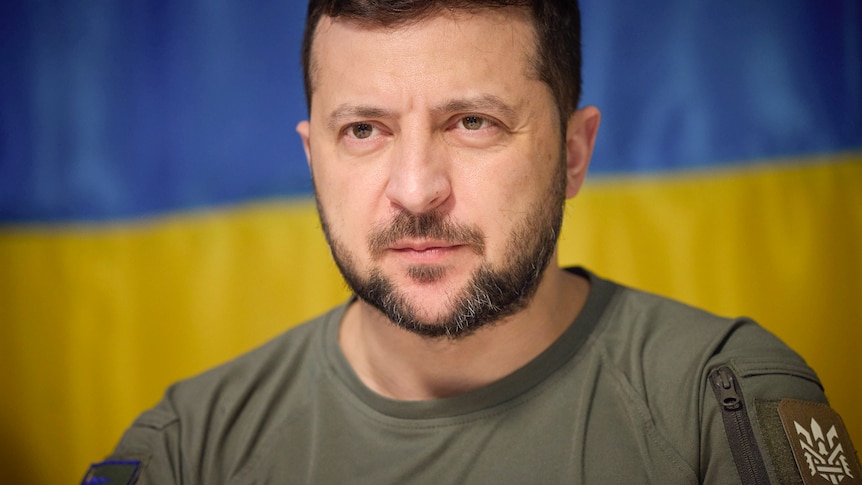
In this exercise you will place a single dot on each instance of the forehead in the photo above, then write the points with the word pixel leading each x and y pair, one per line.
pixel 445 40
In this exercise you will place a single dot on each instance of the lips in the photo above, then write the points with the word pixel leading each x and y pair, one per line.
pixel 425 252
pixel 422 245
pixel 427 233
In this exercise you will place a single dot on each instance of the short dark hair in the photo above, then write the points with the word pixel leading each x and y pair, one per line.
pixel 557 24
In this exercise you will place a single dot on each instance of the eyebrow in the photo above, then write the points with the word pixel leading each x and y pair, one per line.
pixel 354 112
pixel 482 103
pixel 486 102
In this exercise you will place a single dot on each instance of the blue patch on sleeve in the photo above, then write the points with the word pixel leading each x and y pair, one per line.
pixel 113 472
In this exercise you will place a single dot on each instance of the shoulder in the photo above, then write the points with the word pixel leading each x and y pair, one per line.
pixel 666 351
pixel 664 345
pixel 277 362
pixel 645 330
pixel 224 407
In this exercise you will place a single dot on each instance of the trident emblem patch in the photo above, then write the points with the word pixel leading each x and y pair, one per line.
pixel 824 454
pixel 821 445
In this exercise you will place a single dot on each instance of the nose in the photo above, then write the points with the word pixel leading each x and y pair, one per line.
pixel 419 176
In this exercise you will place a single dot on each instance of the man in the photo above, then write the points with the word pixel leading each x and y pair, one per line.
pixel 444 139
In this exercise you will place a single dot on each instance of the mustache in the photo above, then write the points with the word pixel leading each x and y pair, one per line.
pixel 430 225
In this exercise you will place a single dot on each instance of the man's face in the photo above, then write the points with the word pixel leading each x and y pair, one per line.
pixel 439 169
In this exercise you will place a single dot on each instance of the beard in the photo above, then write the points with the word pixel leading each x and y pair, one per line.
pixel 491 293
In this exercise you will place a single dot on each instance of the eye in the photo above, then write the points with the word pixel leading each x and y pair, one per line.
pixel 473 122
pixel 361 130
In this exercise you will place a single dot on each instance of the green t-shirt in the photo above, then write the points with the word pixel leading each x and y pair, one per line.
pixel 621 397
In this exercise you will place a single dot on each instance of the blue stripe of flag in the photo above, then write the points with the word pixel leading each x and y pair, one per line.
pixel 114 110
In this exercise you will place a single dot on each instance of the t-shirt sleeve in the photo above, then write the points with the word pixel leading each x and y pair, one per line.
pixel 746 435
pixel 147 454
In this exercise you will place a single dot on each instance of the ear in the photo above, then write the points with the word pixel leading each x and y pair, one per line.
pixel 303 128
pixel 581 131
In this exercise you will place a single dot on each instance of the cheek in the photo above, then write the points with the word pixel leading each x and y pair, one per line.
pixel 495 197
pixel 350 200
pixel 519 181
pixel 342 210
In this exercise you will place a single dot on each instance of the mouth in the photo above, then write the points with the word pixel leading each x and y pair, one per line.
pixel 425 251
pixel 424 235
pixel 423 245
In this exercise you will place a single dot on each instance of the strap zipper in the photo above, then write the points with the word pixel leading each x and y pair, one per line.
pixel 740 435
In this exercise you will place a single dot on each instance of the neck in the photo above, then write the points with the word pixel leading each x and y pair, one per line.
pixel 402 365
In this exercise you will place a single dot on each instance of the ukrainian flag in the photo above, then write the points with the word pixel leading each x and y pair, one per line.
pixel 156 215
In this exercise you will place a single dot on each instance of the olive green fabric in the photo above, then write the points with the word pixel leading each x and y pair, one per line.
pixel 621 397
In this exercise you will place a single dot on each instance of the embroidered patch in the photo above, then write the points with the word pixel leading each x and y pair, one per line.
pixel 820 442
pixel 113 472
